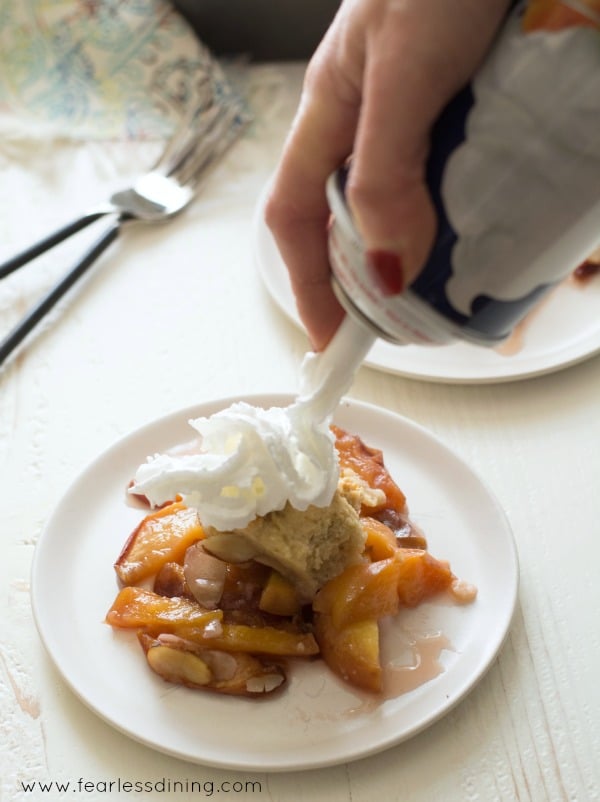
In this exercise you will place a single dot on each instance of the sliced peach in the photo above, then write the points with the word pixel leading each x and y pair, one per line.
pixel 414 541
pixel 257 640
pixel 368 463
pixel 361 592
pixel 351 652
pixel 421 576
pixel 279 596
pixel 162 536
pixel 381 540
pixel 139 608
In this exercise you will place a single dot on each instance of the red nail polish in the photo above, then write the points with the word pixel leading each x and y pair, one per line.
pixel 386 269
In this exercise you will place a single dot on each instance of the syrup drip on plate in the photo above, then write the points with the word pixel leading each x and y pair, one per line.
pixel 581 276
pixel 410 659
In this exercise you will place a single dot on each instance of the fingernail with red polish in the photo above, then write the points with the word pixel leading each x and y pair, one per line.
pixel 386 269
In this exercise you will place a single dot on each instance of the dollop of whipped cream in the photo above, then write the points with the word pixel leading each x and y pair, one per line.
pixel 253 460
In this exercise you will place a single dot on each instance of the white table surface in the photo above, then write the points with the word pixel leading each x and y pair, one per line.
pixel 177 315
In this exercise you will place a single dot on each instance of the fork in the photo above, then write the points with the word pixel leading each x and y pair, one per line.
pixel 155 197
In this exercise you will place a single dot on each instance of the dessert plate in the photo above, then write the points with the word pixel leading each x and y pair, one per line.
pixel 316 721
pixel 563 330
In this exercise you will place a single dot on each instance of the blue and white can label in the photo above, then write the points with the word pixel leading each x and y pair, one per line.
pixel 514 174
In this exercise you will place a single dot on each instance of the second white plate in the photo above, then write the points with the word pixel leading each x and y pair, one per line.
pixel 317 721
pixel 563 330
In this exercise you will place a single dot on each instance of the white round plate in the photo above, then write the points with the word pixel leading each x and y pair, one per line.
pixel 316 721
pixel 563 330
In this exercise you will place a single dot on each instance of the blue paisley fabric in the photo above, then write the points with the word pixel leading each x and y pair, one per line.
pixel 101 69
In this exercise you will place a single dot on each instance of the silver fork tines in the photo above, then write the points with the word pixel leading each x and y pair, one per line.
pixel 168 188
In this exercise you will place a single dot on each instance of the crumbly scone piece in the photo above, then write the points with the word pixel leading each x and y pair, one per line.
pixel 357 492
pixel 308 548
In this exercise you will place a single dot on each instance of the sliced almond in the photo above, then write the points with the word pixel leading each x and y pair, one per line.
pixel 223 665
pixel 183 662
pixel 264 683
pixel 181 667
pixel 204 575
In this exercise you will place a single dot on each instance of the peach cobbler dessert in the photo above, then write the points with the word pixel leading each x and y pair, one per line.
pixel 230 611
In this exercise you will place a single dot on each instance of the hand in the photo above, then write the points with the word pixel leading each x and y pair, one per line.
pixel 375 86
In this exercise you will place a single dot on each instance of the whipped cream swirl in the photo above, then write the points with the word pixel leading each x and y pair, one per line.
pixel 252 462
pixel 255 460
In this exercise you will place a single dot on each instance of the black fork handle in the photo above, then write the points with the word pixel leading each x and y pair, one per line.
pixel 35 315
pixel 49 242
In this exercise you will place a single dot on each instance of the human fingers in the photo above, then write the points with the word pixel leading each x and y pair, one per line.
pixel 297 212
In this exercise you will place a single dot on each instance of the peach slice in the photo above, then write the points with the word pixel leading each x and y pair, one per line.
pixel 351 652
pixel 137 608
pixel 256 640
pixel 361 592
pixel 381 541
pixel 368 463
pixel 279 597
pixel 421 576
pixel 162 536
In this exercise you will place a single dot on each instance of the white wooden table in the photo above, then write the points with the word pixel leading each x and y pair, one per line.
pixel 177 315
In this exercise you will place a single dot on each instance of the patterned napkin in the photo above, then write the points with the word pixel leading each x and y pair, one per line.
pixel 102 70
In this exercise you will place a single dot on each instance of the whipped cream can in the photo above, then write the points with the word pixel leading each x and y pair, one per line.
pixel 514 174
